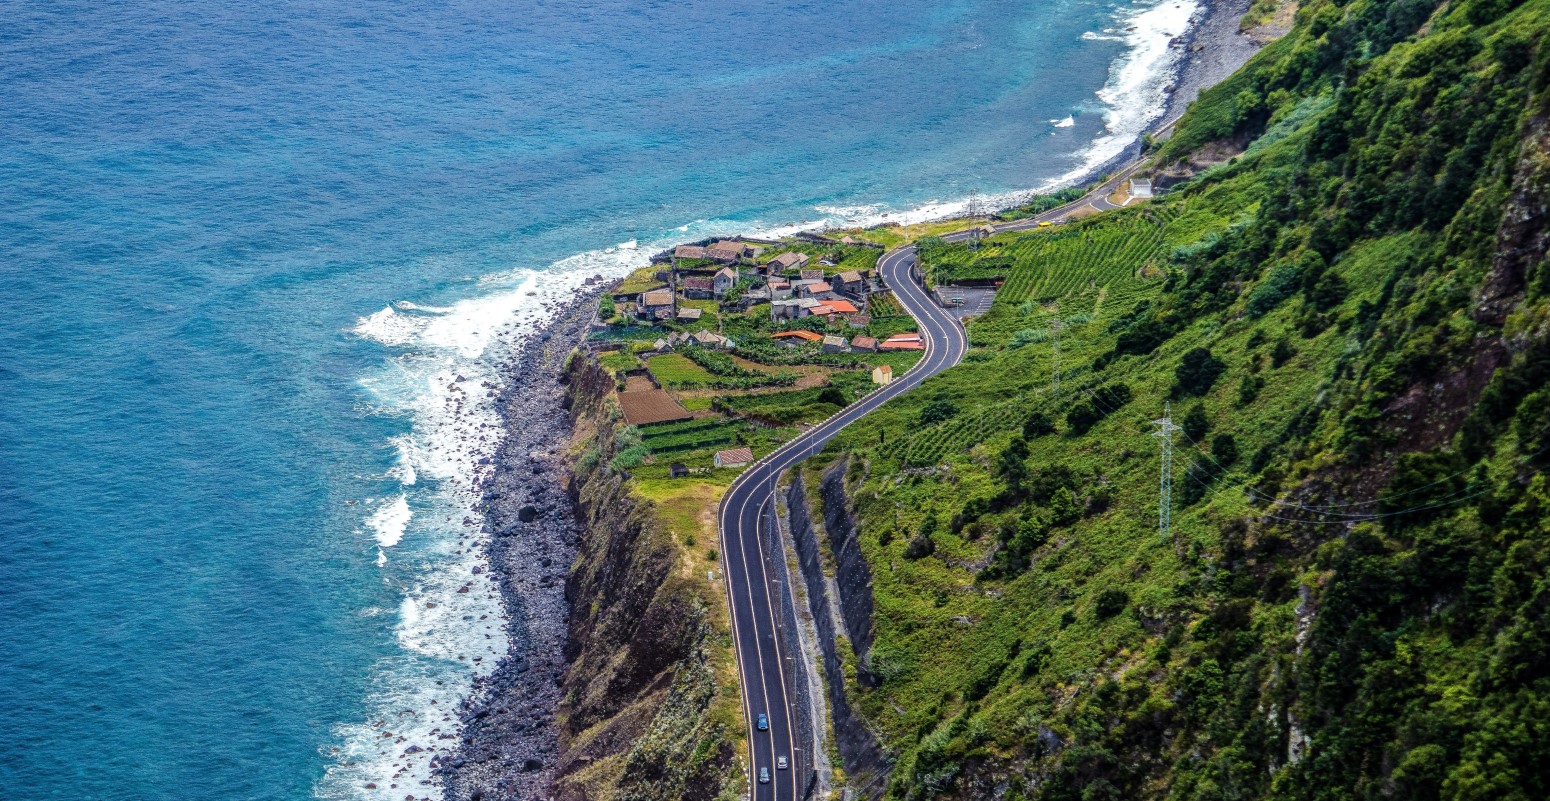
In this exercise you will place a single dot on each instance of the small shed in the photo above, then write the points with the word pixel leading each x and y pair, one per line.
pixel 734 457
pixel 1140 188
pixel 677 470
pixel 882 374
pixel 834 344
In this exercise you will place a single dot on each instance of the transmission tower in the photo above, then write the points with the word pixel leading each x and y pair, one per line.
pixel 1054 377
pixel 1164 432
pixel 974 213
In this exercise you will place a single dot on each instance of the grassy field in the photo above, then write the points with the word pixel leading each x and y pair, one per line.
pixel 674 369
pixel 641 280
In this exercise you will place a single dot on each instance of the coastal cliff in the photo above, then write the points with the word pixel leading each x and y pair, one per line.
pixel 650 704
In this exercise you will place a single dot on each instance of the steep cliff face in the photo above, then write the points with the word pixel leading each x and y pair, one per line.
pixel 639 715
pixel 832 602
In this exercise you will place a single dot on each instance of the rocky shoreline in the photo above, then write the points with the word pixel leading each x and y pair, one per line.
pixel 508 738
pixel 1214 48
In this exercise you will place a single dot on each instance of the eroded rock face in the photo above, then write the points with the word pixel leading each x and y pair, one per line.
pixel 866 766
pixel 639 685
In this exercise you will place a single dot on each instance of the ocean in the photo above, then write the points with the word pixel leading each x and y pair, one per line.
pixel 248 249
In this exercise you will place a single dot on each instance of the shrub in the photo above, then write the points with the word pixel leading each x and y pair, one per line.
pixel 1277 286
pixel 1038 424
pixel 1197 371
pixel 1195 423
pixel 1281 353
pixel 1111 603
pixel 1224 449
pixel 936 411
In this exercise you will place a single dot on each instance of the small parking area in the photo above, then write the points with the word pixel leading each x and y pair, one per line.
pixel 966 301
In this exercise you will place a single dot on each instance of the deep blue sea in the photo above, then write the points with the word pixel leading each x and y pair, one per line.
pixel 247 248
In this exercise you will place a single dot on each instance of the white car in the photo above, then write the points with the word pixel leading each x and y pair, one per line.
pixel 764 775
pixel 780 763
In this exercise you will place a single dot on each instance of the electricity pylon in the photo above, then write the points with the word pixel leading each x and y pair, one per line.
pixel 1164 432
pixel 974 213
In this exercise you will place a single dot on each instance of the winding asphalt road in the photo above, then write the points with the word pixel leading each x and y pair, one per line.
pixel 766 655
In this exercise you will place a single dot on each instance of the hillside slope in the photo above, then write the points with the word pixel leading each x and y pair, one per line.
pixel 1350 321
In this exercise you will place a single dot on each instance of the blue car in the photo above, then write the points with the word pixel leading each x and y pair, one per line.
pixel 763 722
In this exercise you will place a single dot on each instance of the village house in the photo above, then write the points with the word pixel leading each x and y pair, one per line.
pixel 698 288
pixel 811 275
pixel 726 251
pixel 725 279
pixel 779 289
pixel 834 344
pixel 863 345
pixel 783 310
pixel 837 307
pixel 858 320
pixel 660 345
pixel 733 457
pixel 709 339
pixel 792 309
pixel 814 289
pixel 688 252
pixel 849 283
pixel 789 260
pixel 688 314
pixel 656 304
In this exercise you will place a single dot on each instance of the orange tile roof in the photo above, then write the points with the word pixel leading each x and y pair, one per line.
pixel 800 334
pixel 842 306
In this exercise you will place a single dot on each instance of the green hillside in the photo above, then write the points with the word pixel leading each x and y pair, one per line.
pixel 1351 324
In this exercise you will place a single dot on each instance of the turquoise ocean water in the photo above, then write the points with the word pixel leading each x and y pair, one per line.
pixel 246 248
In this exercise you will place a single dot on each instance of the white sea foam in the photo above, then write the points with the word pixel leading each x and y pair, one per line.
pixel 403 471
pixel 1134 96
pixel 1069 121
pixel 450 622
pixel 390 520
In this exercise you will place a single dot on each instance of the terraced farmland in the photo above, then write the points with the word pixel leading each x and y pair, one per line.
pixel 1079 268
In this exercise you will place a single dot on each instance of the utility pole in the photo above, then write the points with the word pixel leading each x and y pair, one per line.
pixel 1164 503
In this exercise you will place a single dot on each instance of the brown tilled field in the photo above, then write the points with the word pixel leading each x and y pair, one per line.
pixel 651 406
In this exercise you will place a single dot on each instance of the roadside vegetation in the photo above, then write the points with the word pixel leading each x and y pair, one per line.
pixel 1349 321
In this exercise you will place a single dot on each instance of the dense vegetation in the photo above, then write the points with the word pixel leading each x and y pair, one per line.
pixel 1351 322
